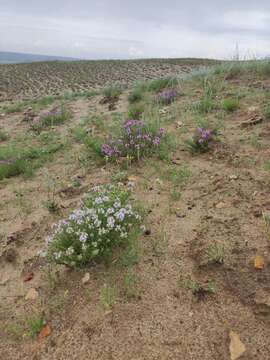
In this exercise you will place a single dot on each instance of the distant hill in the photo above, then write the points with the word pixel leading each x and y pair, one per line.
pixel 15 58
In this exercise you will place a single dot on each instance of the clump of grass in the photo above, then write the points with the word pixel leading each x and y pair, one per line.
pixel 121 176
pixel 267 112
pixel 79 134
pixel 55 117
pixel 94 148
pixel 16 161
pixel 17 167
pixel 136 111
pixel 159 84
pixel 13 108
pixel 179 175
pixel 230 105
pixel 136 95
pixel 204 106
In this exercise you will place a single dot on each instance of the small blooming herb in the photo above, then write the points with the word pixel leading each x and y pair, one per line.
pixel 104 221
pixel 136 140
pixel 201 140
pixel 166 97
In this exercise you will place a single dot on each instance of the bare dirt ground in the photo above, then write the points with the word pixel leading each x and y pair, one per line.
pixel 171 313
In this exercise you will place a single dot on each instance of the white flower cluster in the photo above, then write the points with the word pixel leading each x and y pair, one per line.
pixel 103 221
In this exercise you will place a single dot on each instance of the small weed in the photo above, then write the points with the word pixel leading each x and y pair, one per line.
pixel 136 111
pixel 197 289
pixel 129 285
pixel 267 165
pixel 215 253
pixel 87 295
pixel 108 296
pixel 175 194
pixel 76 183
pixel 121 176
pixel 51 203
pixel 34 326
pixel 14 330
pixel 179 176
pixel 255 142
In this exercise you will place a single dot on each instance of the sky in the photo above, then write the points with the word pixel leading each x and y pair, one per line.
pixel 106 29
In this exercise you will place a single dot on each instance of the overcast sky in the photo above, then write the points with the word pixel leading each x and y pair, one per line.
pixel 138 28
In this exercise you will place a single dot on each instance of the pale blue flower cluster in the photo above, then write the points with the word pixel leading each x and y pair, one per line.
pixel 104 221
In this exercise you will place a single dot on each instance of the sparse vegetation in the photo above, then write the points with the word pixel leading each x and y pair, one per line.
pixel 206 217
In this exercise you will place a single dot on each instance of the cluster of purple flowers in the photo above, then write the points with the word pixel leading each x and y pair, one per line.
pixel 136 140
pixel 203 136
pixel 166 97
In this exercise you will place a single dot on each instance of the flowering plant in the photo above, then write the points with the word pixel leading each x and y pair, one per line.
pixel 136 140
pixel 201 140
pixel 104 221
pixel 166 97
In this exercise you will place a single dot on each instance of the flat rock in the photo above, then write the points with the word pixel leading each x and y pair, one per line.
pixel 221 205
pixel 86 279
pixel 32 294
pixel 237 348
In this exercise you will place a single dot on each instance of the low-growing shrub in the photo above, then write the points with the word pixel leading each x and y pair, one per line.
pixel 201 140
pixel 230 105
pixel 104 221
pixel 166 97
pixel 136 140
